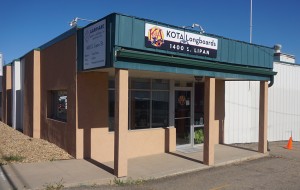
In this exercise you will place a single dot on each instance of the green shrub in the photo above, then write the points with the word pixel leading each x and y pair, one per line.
pixel 199 136
pixel 13 158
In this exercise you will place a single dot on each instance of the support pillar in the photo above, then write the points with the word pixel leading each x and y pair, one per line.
pixel 263 117
pixel 170 139
pixel 209 118
pixel 121 122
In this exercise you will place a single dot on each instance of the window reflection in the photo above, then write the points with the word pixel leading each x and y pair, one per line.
pixel 140 109
pixel 59 105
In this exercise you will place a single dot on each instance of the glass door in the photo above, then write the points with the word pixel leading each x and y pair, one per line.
pixel 183 116
pixel 198 125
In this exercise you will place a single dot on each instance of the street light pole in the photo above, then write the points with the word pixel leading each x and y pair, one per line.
pixel 250 21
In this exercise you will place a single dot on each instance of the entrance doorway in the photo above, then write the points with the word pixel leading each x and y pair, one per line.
pixel 189 115
pixel 183 116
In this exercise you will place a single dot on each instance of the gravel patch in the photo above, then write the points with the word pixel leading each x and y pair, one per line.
pixel 15 147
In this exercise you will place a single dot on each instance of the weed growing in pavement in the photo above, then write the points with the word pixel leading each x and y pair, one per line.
pixel 54 186
pixel 13 158
pixel 129 181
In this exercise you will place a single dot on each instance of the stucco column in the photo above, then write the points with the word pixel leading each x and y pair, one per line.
pixel 170 139
pixel 37 95
pixel 263 117
pixel 209 119
pixel 121 122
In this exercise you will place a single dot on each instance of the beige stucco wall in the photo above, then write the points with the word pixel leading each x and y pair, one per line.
pixel 93 138
pixel 32 104
pixel 139 143
pixel 146 142
pixel 58 72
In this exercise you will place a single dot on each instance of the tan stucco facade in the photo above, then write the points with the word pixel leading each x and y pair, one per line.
pixel 263 117
pixel 214 115
pixel 58 72
pixel 210 130
pixel 93 139
pixel 32 94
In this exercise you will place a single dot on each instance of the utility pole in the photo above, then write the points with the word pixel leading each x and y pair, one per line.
pixel 250 21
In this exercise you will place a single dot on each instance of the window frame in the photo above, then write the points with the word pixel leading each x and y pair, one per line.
pixel 151 90
pixel 111 87
pixel 52 105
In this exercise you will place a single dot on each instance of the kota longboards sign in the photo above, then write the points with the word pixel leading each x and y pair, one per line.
pixel 180 41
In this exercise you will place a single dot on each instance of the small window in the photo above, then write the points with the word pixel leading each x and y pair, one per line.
pixel 59 105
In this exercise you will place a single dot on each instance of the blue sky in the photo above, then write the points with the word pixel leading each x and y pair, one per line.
pixel 25 25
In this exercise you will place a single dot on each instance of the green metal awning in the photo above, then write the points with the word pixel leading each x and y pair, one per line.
pixel 160 59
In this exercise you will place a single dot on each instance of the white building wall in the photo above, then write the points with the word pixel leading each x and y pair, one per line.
pixel 284 103
pixel 16 96
pixel 241 111
pixel 242 107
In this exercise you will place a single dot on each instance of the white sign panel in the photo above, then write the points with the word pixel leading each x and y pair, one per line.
pixel 180 41
pixel 94 45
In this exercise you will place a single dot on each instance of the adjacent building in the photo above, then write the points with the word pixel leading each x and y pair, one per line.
pixel 242 105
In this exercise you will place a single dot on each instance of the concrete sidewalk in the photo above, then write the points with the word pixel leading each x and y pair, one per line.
pixel 83 172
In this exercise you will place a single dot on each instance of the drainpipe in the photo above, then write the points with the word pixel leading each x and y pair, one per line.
pixel 271 81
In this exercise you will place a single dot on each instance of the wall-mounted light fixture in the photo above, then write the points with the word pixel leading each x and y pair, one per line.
pixel 195 25
pixel 199 78
pixel 73 23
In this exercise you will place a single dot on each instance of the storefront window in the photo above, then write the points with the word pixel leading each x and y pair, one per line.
pixel 59 105
pixel 160 109
pixel 148 103
pixel 140 109
pixel 149 106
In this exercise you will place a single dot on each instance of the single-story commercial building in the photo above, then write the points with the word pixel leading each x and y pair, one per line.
pixel 125 87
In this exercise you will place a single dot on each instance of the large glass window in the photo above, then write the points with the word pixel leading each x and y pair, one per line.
pixel 58 104
pixel 140 109
pixel 160 109
pixel 148 103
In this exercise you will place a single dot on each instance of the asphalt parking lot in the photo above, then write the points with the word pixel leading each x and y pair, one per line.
pixel 280 170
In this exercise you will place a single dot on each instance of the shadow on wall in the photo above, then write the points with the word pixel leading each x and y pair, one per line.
pixel 92 107
pixel 19 108
pixel 220 108
pixel 9 107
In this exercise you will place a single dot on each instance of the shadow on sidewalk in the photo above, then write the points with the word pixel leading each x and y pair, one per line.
pixel 185 157
pixel 100 165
